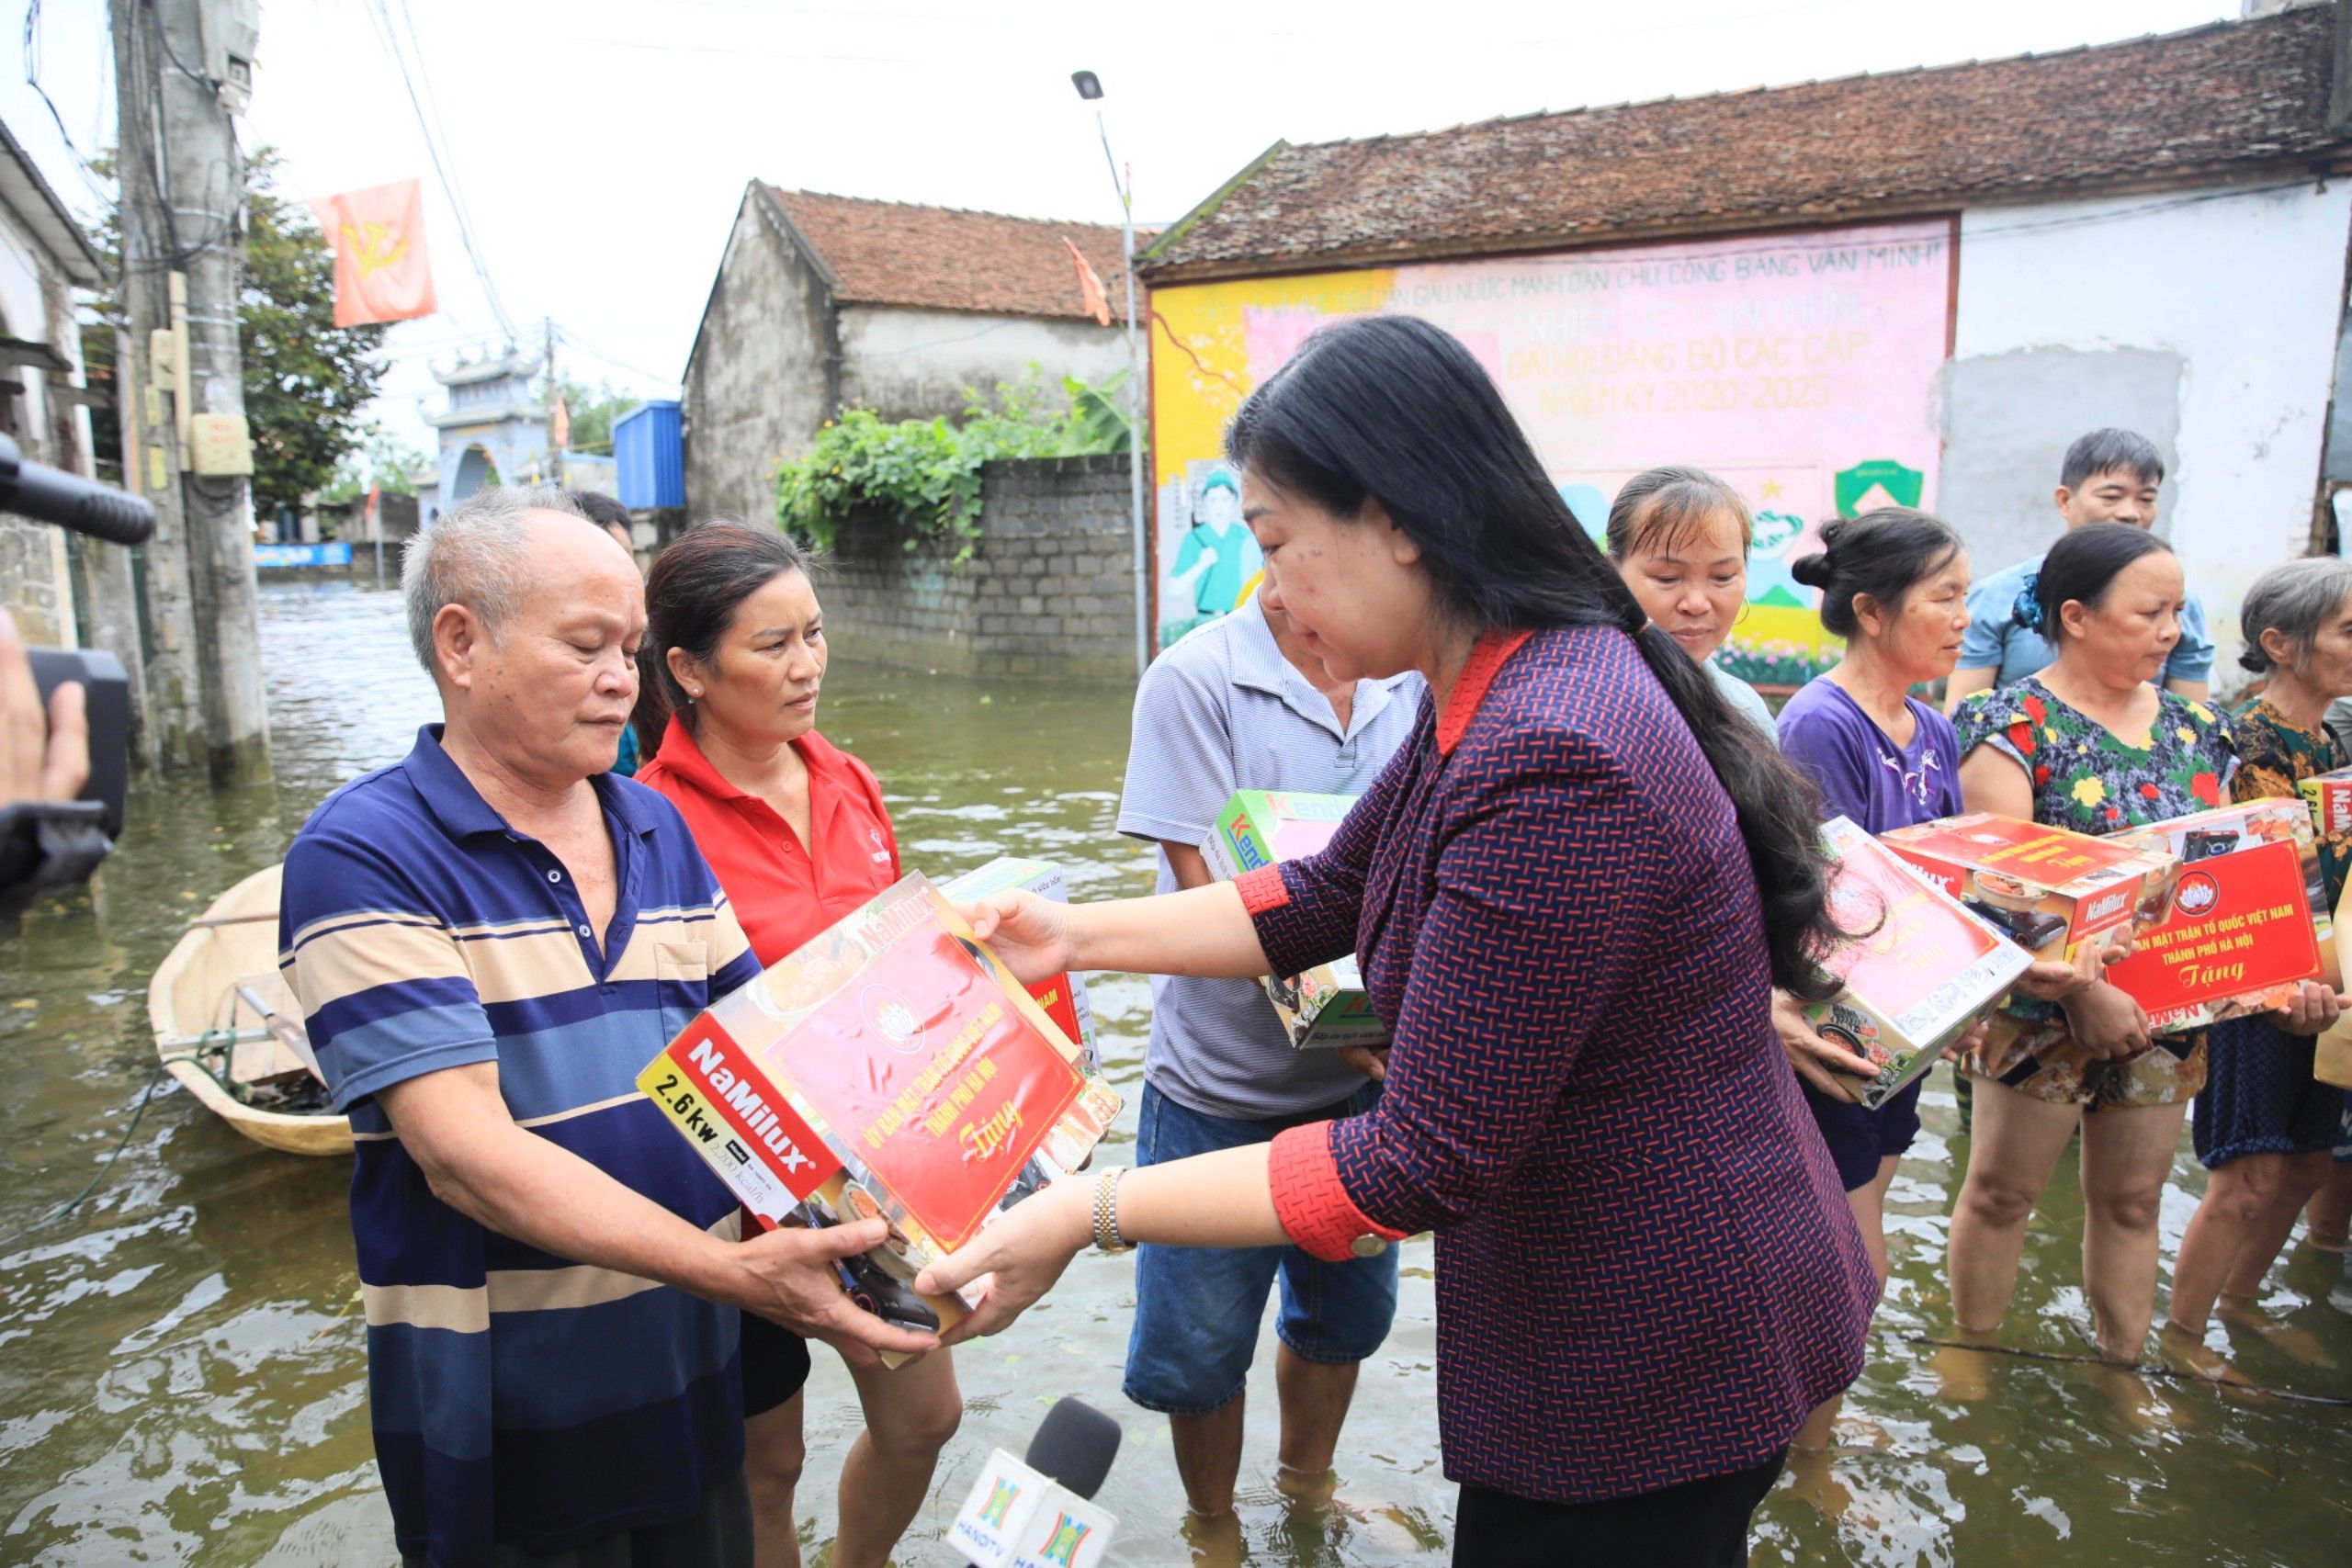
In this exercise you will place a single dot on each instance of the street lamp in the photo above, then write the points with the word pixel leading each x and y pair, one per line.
pixel 1089 87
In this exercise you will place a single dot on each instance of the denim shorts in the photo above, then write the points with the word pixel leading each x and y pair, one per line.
pixel 1198 1309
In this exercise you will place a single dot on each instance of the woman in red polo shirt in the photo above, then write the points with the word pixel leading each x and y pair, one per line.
pixel 733 657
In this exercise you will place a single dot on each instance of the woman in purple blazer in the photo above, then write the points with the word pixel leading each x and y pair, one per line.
pixel 1571 894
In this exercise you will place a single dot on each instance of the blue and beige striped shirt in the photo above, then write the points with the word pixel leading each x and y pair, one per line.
pixel 517 1398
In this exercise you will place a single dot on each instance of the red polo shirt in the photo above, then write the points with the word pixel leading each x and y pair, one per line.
pixel 783 893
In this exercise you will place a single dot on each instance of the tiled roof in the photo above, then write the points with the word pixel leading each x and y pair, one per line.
pixel 2228 100
pixel 944 258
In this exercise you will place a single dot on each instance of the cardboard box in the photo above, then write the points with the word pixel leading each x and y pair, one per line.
pixel 1064 996
pixel 1921 970
pixel 2050 890
pixel 2329 795
pixel 1326 1006
pixel 890 1068
pixel 2242 935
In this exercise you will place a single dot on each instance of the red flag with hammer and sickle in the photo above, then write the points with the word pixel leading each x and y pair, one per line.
pixel 381 272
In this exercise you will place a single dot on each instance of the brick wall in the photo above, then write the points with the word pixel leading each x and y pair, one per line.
pixel 1050 590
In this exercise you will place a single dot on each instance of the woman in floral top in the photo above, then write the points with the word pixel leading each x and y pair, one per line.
pixel 2088 744
pixel 2264 1126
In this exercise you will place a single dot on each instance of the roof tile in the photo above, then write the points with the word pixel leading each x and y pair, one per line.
pixel 2228 100
pixel 944 258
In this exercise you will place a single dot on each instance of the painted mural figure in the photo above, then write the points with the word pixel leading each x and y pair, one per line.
pixel 1218 560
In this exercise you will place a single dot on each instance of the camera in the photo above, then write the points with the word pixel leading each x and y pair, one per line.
pixel 45 844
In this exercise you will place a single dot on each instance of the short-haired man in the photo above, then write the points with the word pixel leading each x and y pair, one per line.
pixel 1240 703
pixel 2109 476
pixel 489 940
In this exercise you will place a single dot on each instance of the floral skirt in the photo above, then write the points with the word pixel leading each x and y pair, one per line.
pixel 2042 1059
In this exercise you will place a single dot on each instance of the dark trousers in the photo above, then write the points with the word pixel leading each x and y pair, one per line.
pixel 718 1537
pixel 1700 1524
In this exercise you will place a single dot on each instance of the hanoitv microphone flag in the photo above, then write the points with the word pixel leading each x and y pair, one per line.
pixel 380 270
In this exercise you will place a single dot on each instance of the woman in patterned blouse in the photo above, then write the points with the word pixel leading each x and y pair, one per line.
pixel 2263 1125
pixel 2088 744
pixel 1570 895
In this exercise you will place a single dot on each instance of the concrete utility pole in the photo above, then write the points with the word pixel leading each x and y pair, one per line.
pixel 183 68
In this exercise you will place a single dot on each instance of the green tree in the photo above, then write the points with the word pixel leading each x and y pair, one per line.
pixel 593 413
pixel 385 463
pixel 307 380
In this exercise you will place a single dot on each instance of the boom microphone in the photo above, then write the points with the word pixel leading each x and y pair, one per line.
pixel 69 500
pixel 1038 1513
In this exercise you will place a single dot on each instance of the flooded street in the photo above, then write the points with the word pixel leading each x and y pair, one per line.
pixel 182 1370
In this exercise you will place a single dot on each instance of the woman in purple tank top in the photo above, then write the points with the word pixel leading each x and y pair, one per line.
pixel 1895 585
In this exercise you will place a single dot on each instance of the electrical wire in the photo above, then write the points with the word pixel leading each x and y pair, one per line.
pixel 82 166
pixel 380 17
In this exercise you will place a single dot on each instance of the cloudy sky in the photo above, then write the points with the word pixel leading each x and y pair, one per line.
pixel 601 148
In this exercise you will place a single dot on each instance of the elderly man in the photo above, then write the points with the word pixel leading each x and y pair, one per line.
pixel 489 939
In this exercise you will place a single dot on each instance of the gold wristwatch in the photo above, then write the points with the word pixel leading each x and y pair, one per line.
pixel 1106 1212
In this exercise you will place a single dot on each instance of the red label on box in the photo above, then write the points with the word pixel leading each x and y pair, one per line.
pixel 2241 924
pixel 767 1127
pixel 1054 996
pixel 920 1068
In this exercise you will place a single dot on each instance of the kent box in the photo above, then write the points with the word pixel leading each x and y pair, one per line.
pixel 889 1068
pixel 1918 968
pixel 1064 996
pixel 2242 936
pixel 2050 890
pixel 1326 1006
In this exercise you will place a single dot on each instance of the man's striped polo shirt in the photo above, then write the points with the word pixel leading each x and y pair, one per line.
pixel 516 1396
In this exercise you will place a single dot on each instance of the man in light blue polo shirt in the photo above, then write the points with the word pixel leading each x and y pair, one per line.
pixel 2109 476
pixel 1241 705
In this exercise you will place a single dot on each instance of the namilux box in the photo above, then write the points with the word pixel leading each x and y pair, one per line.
pixel 1064 996
pixel 2249 920
pixel 1326 1006
pixel 1919 970
pixel 889 1068
pixel 2329 795
pixel 2049 890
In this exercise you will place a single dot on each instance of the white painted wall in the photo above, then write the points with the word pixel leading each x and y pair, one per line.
pixel 2245 289
pixel 912 364
pixel 34 583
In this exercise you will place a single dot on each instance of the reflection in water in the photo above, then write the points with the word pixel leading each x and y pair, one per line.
pixel 181 1364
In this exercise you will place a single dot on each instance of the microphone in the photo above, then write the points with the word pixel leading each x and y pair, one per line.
pixel 1035 1512
pixel 69 500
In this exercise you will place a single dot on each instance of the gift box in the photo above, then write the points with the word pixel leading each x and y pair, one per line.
pixel 1920 967
pixel 1064 996
pixel 2249 922
pixel 1326 1005
pixel 2329 796
pixel 2049 890
pixel 891 1068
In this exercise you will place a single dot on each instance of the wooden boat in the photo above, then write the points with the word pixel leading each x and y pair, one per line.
pixel 228 1030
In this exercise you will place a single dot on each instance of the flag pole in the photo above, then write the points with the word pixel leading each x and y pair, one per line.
pixel 1126 189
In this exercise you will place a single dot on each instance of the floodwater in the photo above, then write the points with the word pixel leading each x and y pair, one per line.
pixel 182 1366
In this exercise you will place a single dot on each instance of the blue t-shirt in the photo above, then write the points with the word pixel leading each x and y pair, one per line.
pixel 1997 643
pixel 1221 711
pixel 1863 774
pixel 518 1398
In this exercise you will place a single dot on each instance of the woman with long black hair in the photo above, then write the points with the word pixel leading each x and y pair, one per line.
pixel 1571 894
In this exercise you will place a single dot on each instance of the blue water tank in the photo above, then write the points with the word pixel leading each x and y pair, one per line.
pixel 652 455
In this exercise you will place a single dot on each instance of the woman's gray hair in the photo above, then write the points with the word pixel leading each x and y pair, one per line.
pixel 2294 600
pixel 474 555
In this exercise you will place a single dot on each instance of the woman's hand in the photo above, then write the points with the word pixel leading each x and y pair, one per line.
pixel 1975 1038
pixel 2049 980
pixel 1024 1250
pixel 2313 1009
pixel 1029 933
pixel 1371 1061
pixel 2107 1022
pixel 1832 1069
